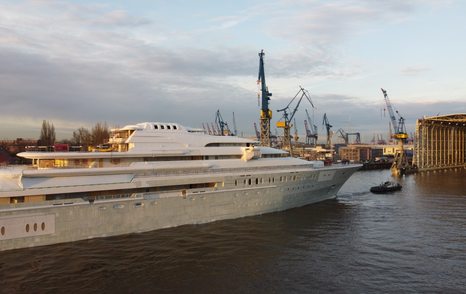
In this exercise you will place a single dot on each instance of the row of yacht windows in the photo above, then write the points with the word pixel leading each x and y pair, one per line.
pixel 165 127
pixel 126 193
pixel 176 158
pixel 267 180
pixel 87 162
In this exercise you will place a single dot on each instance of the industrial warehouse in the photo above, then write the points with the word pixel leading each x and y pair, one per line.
pixel 440 142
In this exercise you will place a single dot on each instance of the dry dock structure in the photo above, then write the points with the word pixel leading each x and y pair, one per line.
pixel 440 142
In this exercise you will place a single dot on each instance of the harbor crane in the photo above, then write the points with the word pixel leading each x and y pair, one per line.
pixel 235 130
pixel 328 127
pixel 311 130
pixel 222 126
pixel 288 117
pixel 400 164
pixel 296 136
pixel 399 129
pixel 208 129
pixel 215 130
pixel 265 113
pixel 345 136
pixel 258 134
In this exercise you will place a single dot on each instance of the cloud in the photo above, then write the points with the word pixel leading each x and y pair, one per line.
pixel 414 70
pixel 328 24
pixel 80 64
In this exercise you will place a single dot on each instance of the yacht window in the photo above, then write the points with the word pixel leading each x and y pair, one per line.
pixel 162 127
pixel 174 127
pixel 168 127
pixel 156 127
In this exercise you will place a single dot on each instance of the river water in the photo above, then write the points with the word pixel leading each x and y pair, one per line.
pixel 410 241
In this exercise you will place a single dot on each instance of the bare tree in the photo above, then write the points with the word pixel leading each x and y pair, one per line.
pixel 82 137
pixel 47 134
pixel 100 133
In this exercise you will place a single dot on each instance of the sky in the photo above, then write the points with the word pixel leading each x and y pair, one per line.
pixel 76 63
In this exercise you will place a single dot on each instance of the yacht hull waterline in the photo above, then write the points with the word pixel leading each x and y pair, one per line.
pixel 110 200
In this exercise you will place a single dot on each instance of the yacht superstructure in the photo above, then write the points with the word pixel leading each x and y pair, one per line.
pixel 153 175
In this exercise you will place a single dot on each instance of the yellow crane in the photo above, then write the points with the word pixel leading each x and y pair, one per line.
pixel 400 164
pixel 286 124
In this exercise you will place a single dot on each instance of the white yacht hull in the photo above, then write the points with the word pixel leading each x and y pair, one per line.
pixel 30 226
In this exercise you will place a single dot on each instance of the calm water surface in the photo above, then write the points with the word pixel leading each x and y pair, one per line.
pixel 410 241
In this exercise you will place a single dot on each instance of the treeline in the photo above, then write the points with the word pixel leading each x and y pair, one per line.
pixel 99 134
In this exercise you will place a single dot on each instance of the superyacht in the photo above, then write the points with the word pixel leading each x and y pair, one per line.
pixel 153 175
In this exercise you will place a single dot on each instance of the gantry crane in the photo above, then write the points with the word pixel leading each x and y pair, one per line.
pixel 286 123
pixel 400 164
pixel 222 126
pixel 311 130
pixel 328 127
pixel 345 136
pixel 266 113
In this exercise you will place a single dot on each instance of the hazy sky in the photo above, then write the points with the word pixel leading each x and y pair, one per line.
pixel 76 63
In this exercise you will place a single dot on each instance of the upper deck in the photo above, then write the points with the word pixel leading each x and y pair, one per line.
pixel 155 141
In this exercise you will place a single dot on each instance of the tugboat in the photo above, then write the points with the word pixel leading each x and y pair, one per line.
pixel 386 187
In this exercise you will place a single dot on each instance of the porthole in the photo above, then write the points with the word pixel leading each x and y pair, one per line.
pixel 35 227
pixel 42 226
pixel 27 228
pixel 2 231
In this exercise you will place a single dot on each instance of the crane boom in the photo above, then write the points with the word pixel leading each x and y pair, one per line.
pixel 287 118
pixel 399 130
pixel 390 110
pixel 308 131
pixel 258 134
pixel 234 125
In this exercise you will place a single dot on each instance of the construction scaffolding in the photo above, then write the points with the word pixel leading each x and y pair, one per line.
pixel 440 142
